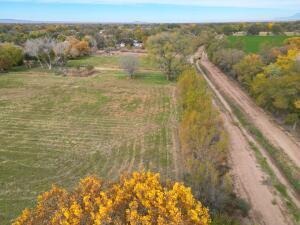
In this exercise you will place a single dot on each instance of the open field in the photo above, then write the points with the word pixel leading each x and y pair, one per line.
pixel 56 130
pixel 253 44
pixel 110 61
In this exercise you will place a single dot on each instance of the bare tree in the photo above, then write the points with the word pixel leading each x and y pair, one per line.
pixel 60 51
pixel 48 52
pixel 130 65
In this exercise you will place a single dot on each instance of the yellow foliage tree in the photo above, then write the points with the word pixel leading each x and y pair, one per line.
pixel 277 87
pixel 270 26
pixel 293 43
pixel 140 199
pixel 200 128
pixel 77 48
pixel 204 143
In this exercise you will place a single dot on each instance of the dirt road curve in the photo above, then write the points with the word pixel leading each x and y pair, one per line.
pixel 248 176
pixel 276 135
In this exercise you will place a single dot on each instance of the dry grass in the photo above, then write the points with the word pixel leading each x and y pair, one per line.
pixel 56 130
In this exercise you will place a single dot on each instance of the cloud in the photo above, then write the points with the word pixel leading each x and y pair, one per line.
pixel 283 4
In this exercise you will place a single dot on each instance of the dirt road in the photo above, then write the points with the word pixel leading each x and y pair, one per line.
pixel 275 134
pixel 250 180
pixel 248 176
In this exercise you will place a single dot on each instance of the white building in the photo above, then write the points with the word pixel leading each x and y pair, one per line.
pixel 137 44
pixel 122 45
pixel 240 33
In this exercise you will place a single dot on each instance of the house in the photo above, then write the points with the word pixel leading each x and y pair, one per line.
pixel 265 33
pixel 122 45
pixel 137 44
pixel 240 33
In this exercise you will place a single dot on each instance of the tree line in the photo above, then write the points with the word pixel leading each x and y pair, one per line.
pixel 204 145
pixel 47 52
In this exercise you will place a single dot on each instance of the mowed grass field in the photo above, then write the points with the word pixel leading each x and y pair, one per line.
pixel 111 62
pixel 57 130
pixel 253 44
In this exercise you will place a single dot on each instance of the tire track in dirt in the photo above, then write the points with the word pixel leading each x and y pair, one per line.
pixel 133 157
pixel 176 150
pixel 249 180
pixel 248 176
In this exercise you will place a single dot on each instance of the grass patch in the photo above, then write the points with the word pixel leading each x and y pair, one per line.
pixel 110 61
pixel 107 61
pixel 152 79
pixel 10 82
pixel 253 44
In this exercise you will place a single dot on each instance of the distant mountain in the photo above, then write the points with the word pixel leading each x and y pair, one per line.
pixel 291 18
pixel 15 21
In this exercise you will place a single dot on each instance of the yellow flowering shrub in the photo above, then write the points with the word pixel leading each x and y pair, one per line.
pixel 139 199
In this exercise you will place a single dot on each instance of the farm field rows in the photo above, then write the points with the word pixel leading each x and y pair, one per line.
pixel 56 130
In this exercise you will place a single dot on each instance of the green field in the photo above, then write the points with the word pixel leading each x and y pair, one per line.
pixel 110 61
pixel 253 44
pixel 56 130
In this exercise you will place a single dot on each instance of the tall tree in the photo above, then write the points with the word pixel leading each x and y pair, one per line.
pixel 248 68
pixel 170 51
pixel 48 52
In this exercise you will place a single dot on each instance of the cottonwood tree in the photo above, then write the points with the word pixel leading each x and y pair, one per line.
pixel 48 52
pixel 130 65
pixel 277 88
pixel 77 48
pixel 170 51
pixel 60 51
pixel 204 145
pixel 248 68
pixel 227 58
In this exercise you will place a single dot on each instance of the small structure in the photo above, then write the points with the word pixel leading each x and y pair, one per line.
pixel 220 36
pixel 240 33
pixel 137 44
pixel 265 33
pixel 122 45
pixel 295 33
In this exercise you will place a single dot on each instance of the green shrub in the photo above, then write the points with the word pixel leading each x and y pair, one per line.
pixel 10 55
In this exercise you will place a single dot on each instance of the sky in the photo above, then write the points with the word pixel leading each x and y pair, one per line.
pixel 157 11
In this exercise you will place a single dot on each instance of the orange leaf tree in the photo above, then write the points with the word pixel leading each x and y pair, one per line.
pixel 138 199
